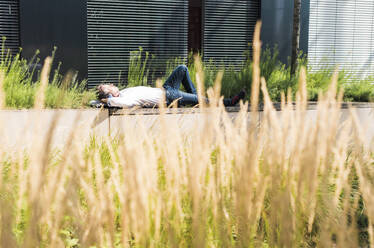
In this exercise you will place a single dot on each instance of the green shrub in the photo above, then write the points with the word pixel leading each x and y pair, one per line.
pixel 21 83
pixel 361 91
pixel 138 72
pixel 18 86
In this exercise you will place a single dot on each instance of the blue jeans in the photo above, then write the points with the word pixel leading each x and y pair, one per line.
pixel 172 85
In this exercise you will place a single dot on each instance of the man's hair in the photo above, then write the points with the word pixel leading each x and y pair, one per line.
pixel 101 93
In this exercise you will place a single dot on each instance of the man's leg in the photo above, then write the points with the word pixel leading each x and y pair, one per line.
pixel 178 76
pixel 192 99
pixel 183 98
pixel 181 75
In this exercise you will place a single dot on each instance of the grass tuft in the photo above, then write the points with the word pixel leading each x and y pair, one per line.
pixel 22 80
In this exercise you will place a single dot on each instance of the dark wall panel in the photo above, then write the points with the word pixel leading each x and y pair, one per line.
pixel 228 28
pixel 117 27
pixel 61 23
pixel 277 26
pixel 304 26
pixel 9 25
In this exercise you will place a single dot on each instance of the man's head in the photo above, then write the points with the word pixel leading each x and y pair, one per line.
pixel 104 90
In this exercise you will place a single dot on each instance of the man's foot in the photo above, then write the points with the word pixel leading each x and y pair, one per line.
pixel 238 97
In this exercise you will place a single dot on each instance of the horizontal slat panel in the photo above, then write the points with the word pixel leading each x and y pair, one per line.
pixel 228 28
pixel 9 25
pixel 117 27
pixel 341 33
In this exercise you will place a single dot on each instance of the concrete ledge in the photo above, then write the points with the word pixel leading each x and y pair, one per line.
pixel 168 111
pixel 277 106
pixel 20 129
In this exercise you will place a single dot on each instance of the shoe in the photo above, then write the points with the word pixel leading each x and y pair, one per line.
pixel 238 97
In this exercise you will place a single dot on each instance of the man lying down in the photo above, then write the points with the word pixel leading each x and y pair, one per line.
pixel 143 96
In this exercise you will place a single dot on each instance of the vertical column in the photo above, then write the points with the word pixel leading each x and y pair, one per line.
pixel 277 19
pixel 194 25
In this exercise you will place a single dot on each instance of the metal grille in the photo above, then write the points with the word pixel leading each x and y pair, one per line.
pixel 341 33
pixel 9 25
pixel 117 27
pixel 228 29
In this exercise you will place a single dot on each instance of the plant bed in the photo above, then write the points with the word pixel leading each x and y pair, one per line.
pixel 21 82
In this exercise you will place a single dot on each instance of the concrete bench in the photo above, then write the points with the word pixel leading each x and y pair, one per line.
pixel 22 128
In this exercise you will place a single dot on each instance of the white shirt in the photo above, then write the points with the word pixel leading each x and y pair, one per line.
pixel 137 96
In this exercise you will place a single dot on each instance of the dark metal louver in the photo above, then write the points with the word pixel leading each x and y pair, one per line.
pixel 117 27
pixel 304 26
pixel 9 25
pixel 228 28
pixel 341 33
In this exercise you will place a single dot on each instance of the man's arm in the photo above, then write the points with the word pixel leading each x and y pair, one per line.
pixel 122 102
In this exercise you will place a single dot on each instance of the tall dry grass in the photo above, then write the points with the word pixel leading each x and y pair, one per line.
pixel 287 181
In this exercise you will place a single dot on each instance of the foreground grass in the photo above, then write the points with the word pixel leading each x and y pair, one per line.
pixel 289 182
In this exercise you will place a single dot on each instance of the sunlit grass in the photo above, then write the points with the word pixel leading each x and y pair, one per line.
pixel 21 81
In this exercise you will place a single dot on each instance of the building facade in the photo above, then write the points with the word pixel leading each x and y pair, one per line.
pixel 332 33
pixel 95 37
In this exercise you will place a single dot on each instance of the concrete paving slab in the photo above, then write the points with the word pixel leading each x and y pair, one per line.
pixel 21 129
pixel 186 119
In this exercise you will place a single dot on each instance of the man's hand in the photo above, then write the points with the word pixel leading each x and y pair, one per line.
pixel 104 100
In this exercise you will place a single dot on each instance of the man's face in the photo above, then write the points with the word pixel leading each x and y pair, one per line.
pixel 110 89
